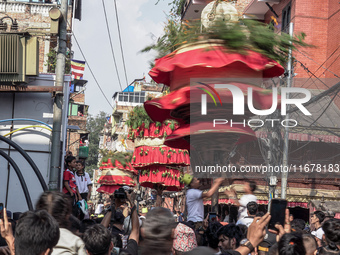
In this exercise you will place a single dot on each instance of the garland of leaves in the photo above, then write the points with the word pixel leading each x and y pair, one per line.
pixel 240 37
pixel 123 158
pixel 138 118
pixel 164 174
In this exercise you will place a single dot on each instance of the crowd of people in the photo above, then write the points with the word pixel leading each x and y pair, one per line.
pixel 53 228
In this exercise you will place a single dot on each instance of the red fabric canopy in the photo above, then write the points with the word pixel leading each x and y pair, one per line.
pixel 108 189
pixel 168 106
pixel 198 62
pixel 160 174
pixel 205 132
pixel 116 180
pixel 150 155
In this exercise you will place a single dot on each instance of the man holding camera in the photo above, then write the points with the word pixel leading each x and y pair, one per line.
pixel 118 198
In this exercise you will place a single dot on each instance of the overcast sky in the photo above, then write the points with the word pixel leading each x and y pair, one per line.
pixel 141 21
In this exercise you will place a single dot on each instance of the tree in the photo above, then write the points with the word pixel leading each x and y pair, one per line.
pixel 95 125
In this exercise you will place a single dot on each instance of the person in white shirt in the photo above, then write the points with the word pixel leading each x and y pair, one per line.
pixel 194 200
pixel 226 218
pixel 251 213
pixel 83 181
pixel 316 219
pixel 249 188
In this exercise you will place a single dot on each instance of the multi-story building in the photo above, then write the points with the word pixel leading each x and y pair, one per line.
pixel 77 141
pixel 116 131
pixel 28 41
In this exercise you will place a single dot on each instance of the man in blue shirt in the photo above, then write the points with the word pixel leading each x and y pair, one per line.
pixel 194 200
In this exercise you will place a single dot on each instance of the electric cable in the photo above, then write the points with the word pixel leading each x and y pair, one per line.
pixel 325 109
pixel 306 69
pixel 20 177
pixel 88 65
pixel 333 63
pixel 27 127
pixel 112 51
pixel 120 41
pixel 24 119
pixel 28 159
pixel 323 62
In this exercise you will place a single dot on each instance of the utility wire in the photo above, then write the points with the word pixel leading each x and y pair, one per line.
pixel 323 62
pixel 113 54
pixel 120 41
pixel 87 63
pixel 318 67
pixel 321 113
pixel 330 102
pixel 330 90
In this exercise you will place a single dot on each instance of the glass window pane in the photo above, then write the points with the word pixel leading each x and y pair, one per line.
pixel 142 99
pixel 136 99
pixel 69 109
pixel 120 97
pixel 131 97
pixel 74 110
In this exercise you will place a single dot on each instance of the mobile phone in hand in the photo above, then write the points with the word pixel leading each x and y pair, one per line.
pixel 277 213
pixel 212 217
pixel 1 210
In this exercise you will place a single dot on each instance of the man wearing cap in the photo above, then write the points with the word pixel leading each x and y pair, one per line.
pixel 194 199
pixel 316 219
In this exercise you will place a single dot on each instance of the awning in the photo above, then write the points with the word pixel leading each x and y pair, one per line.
pixel 304 137
pixel 300 196
pixel 258 8
pixel 260 202
pixel 326 206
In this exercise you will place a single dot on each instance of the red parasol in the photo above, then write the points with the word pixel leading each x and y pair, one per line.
pixel 223 135
pixel 108 189
pixel 202 60
pixel 116 177
pixel 160 155
pixel 179 104
pixel 158 174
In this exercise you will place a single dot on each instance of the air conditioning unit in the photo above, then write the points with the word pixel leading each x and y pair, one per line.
pixel 19 57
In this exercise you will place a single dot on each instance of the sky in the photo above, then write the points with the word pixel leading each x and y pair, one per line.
pixel 141 22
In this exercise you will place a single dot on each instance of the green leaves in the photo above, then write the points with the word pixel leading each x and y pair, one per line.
pixel 241 36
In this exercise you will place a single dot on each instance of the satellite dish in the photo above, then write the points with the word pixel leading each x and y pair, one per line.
pixel 120 147
pixel 218 11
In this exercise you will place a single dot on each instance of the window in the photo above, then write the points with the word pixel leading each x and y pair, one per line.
pixel 131 97
pixel 77 109
pixel 286 18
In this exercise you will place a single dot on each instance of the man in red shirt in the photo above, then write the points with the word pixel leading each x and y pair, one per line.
pixel 69 181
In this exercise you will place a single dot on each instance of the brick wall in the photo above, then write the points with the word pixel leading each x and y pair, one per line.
pixel 79 121
pixel 318 20
pixel 73 142
pixel 33 16
pixel 333 38
pixel 78 98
